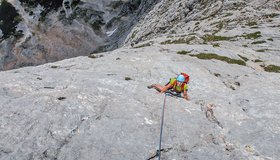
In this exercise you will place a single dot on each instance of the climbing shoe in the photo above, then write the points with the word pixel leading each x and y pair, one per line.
pixel 150 86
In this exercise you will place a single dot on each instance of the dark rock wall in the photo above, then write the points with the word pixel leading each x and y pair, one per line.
pixel 55 30
pixel 9 18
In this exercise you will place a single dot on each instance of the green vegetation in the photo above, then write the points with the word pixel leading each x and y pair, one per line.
pixel 61 98
pixel 184 52
pixel 128 78
pixel 272 15
pixel 220 26
pixel 244 58
pixel 272 68
pixel 191 34
pixel 228 14
pixel 261 50
pixel 9 18
pixel 217 74
pixel 258 42
pixel 252 23
pixel 96 25
pixel 92 56
pixel 133 34
pixel 216 45
pixel 254 27
pixel 238 5
pixel 54 66
pixel 258 60
pixel 179 41
pixel 218 57
pixel 173 31
pixel 208 38
pixel 270 39
pixel 245 45
pixel 254 35
pixel 213 37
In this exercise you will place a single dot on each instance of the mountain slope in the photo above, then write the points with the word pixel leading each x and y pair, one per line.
pixel 46 32
pixel 99 107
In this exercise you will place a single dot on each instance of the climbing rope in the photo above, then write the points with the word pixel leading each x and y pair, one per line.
pixel 171 94
pixel 161 127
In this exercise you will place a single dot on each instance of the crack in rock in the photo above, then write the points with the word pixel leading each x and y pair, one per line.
pixel 209 113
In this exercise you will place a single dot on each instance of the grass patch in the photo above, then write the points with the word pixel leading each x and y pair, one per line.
pixel 254 35
pixel 218 57
pixel 209 38
pixel 191 34
pixel 127 78
pixel 258 60
pixel 220 26
pixel 258 42
pixel 54 67
pixel 9 18
pixel 245 45
pixel 261 50
pixel 216 45
pixel 92 56
pixel 184 52
pixel 133 34
pixel 272 68
pixel 61 98
pixel 179 41
pixel 255 27
pixel 270 39
pixel 272 15
pixel 217 74
pixel 244 58
pixel 228 14
pixel 253 23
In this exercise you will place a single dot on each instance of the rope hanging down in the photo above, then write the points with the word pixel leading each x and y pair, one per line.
pixel 161 127
pixel 168 93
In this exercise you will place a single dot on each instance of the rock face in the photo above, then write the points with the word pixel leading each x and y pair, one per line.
pixel 99 107
pixel 47 32
pixel 85 108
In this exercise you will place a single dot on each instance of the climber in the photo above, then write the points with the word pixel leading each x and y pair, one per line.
pixel 177 85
